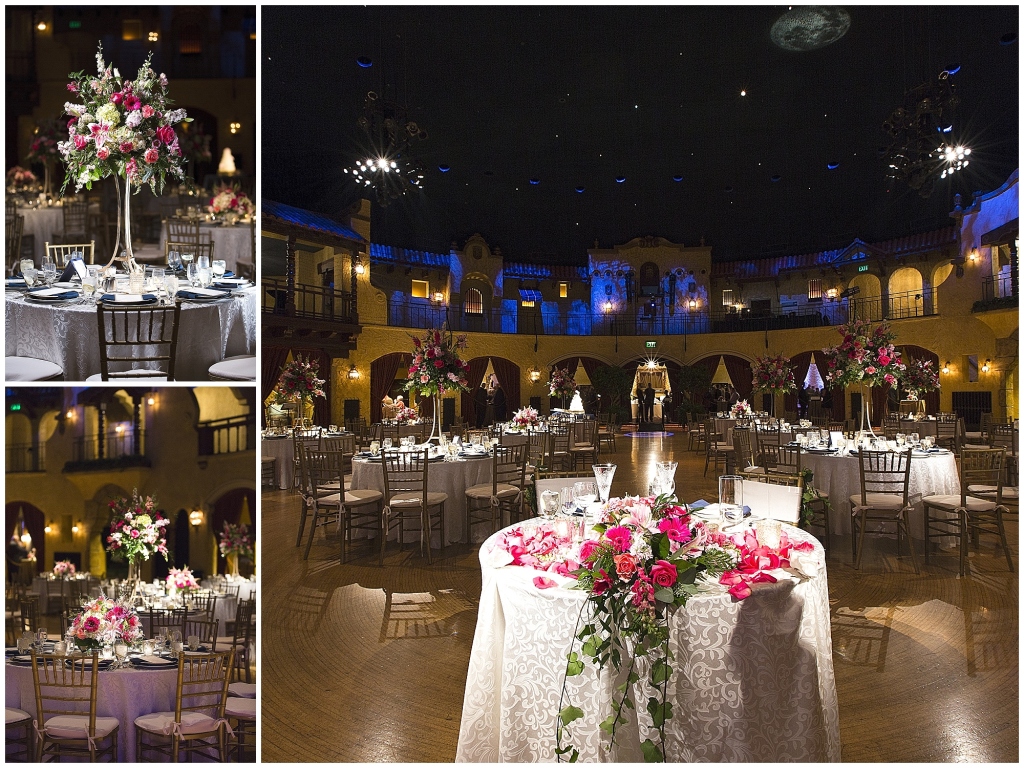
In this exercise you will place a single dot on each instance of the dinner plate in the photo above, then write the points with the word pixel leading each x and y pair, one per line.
pixel 21 661
pixel 203 295
pixel 51 295
pixel 153 662
pixel 128 299
pixel 68 286
pixel 233 282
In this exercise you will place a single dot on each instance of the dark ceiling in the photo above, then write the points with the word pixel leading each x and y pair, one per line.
pixel 577 96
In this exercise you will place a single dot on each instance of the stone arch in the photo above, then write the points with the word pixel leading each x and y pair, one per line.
pixel 35 523
pixel 906 293
pixel 737 366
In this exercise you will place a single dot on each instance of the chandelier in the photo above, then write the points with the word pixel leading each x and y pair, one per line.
pixel 919 151
pixel 386 163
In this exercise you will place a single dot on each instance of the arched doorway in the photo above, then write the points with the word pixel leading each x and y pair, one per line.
pixel 203 124
pixel 906 293
pixel 835 396
pixel 914 352
pixel 35 523
pixel 867 303
pixel 230 508
pixel 738 368
pixel 507 373
pixel 383 371
pixel 181 534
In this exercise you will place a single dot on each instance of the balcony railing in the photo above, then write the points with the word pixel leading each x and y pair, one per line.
pixel 227 435
pixel 311 302
pixel 25 457
pixel 530 321
pixel 110 446
pixel 1001 286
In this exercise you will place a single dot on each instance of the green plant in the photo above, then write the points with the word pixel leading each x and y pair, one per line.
pixel 810 495
pixel 613 385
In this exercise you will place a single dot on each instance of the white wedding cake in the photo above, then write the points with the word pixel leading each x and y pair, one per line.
pixel 576 406
pixel 227 163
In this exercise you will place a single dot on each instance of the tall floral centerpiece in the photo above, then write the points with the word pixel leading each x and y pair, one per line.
pixel 44 148
pixel 182 580
pixel 437 369
pixel 562 385
pixel 773 374
pixel 137 533
pixel 300 380
pixel 919 378
pixel 19 179
pixel 125 129
pixel 866 357
pixel 235 543
pixel 405 415
pixel 104 622
pixel 229 201
pixel 63 569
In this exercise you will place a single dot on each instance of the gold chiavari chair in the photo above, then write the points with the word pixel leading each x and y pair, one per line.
pixel 884 498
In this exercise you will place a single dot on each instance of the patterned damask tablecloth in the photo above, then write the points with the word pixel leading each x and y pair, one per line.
pixel 753 680
pixel 68 334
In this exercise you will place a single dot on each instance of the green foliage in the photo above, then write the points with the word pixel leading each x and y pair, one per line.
pixel 613 384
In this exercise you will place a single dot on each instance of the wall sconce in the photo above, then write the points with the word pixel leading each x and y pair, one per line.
pixel 693 304
pixel 973 255
pixel 987 366
pixel 70 414
pixel 534 375
pixel 48 528
pixel 438 297
pixel 945 368
pixel 119 428
pixel 76 527
pixel 832 293
pixel 195 517
pixel 608 306
pixel 352 372
pixel 360 267
pixel 235 127
pixel 154 37
pixel 151 400
pixel 41 26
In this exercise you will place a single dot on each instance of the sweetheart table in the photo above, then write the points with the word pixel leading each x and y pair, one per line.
pixel 753 680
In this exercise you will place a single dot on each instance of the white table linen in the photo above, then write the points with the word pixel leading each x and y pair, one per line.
pixel 753 681
pixel 122 693
pixel 450 477
pixel 42 224
pixel 839 477
pixel 232 244
pixel 68 334
pixel 283 452
pixel 39 587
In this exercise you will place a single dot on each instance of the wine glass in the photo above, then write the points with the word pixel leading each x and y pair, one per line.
pixel 173 260
pixel 187 257
pixel 192 272
pixel 204 262
pixel 584 493
pixel 565 497
pixel 205 276
pixel 387 443
pixel 49 270
pixel 664 473
pixel 603 474
pixel 730 498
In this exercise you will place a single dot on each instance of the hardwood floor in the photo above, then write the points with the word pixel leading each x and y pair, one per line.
pixel 362 663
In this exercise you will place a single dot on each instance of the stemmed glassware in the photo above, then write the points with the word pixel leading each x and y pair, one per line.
pixel 220 266
pixel 584 493
pixel 664 478
pixel 603 474
pixel 192 272
pixel 730 498
pixel 49 270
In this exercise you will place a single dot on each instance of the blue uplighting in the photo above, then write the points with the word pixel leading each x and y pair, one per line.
pixel 535 181
pixel 677 178
pixel 444 168
pixel 580 189
pixel 620 179
pixel 365 62
pixel 833 165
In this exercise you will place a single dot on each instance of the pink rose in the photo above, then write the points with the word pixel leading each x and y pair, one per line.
pixel 620 537
pixel 664 574
pixel 151 156
pixel 126 147
pixel 165 133
pixel 147 111
pixel 135 534
pixel 117 98
pixel 103 153
pixel 870 370
pixel 625 566
pixel 439 363
pixel 587 549
pixel 80 141
pixel 602 584
pixel 883 360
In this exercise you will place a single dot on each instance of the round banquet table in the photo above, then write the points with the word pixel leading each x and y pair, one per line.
pixel 451 477
pixel 122 693
pixel 68 334
pixel 283 452
pixel 753 680
pixel 39 584
pixel 42 224
pixel 839 477
pixel 246 590
pixel 232 244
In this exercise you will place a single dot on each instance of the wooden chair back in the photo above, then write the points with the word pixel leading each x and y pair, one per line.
pixel 14 226
pixel 123 330
pixel 187 246
pixel 63 252
pixel 183 231
pixel 204 629
pixel 982 467
pixel 169 618
pixel 405 473
pixel 65 686
pixel 885 472
pixel 75 217
pixel 203 683
pixel 509 465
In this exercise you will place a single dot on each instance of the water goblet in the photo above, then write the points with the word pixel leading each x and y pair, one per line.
pixel 205 277
pixel 30 276
pixel 41 637
pixel 565 497
pixel 603 474
pixel 27 264
pixel 549 504
pixel 584 493
pixel 387 443
pixel 730 498
pixel 173 260
pixel 374 447
pixel 193 642
pixel 192 272
pixel 187 257
pixel 927 442
pixel 220 266
pixel 121 651
pixel 203 262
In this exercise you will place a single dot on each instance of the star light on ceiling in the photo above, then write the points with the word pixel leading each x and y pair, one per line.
pixel 386 163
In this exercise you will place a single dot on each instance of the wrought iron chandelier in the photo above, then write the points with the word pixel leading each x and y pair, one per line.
pixel 386 163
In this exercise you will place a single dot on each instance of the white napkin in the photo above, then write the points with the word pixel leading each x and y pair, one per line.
pixel 49 292
pixel 127 298
pixel 805 562
pixel 206 292
pixel 496 557
pixel 80 267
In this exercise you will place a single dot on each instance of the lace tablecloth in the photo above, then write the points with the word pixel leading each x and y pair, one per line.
pixel 232 244
pixel 451 477
pixel 122 693
pixel 68 334
pixel 839 477
pixel 753 680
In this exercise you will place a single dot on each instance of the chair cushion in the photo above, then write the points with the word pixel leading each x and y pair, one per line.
pixel 950 501
pixel 266 460
pixel 238 707
pixel 891 501
pixel 17 715
pixel 243 690
pixel 483 491
pixel 329 500
pixel 237 368
pixel 130 375
pixel 1009 493
pixel 77 726
pixel 358 498
pixel 413 499
pixel 163 723
pixel 30 369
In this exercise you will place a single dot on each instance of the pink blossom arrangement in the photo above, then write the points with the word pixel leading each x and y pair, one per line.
pixel 300 378
pixel 137 529
pixel 122 128
pixel 63 569
pixel 103 622
pixel 437 368
pixel 20 178
pixel 755 560
pixel 235 540
pixel 919 377
pixel 182 580
pixel 229 199
pixel 195 143
pixel 864 356
pixel 774 374
pixel 526 417
pixel 405 415
pixel 543 547
pixel 562 384
pixel 43 147
pixel 741 410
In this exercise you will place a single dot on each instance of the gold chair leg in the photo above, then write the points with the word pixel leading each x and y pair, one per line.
pixel 910 542
pixel 312 532
pixel 964 564
pixel 860 543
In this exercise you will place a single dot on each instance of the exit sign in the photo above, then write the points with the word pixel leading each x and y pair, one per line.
pixel 862 268
pixel 651 344
pixel 15 406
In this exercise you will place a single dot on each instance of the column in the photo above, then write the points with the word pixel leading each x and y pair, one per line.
pixel 289 300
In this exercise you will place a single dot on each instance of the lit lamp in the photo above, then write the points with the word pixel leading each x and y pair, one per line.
pixel 974 255
pixel 48 528
pixel 76 527
pixel 195 517
pixel 438 297
pixel 693 304
pixel 360 267
pixel 985 368
pixel 534 375
pixel 151 401
pixel 945 368
pixel 235 127
pixel 608 306
pixel 71 413
pixel 352 372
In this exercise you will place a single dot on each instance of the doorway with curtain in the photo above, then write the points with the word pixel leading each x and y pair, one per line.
pixel 238 507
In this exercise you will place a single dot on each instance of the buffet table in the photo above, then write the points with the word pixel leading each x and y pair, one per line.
pixel 753 680
pixel 68 334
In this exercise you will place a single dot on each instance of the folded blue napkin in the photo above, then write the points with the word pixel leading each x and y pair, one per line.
pixel 56 296
pixel 185 293
pixel 110 298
